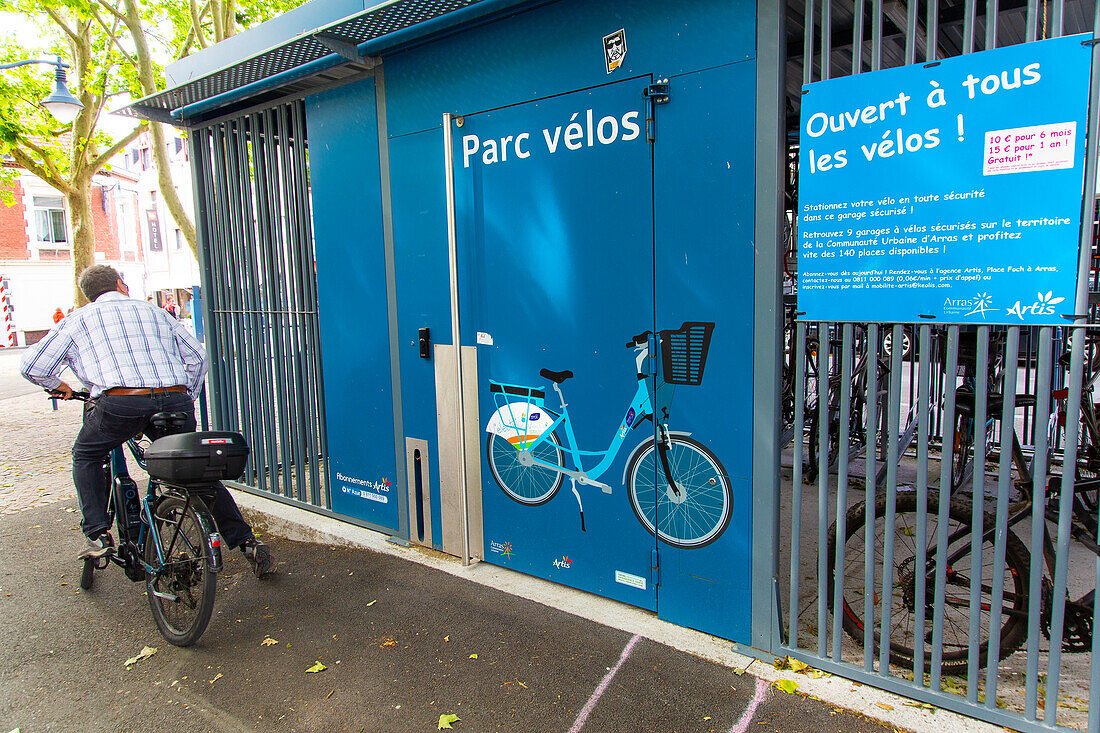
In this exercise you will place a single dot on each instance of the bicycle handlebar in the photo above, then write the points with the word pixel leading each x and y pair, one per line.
pixel 82 396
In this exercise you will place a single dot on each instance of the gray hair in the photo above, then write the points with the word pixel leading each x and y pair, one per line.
pixel 97 280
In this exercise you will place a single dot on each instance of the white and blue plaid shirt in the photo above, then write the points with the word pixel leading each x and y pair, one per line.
pixel 118 342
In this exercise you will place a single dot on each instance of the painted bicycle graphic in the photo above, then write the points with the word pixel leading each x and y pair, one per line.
pixel 677 487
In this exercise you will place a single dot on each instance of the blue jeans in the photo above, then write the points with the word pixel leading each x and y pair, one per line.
pixel 109 422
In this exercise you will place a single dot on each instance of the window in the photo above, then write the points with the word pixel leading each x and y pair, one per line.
pixel 49 219
pixel 145 159
pixel 127 242
pixel 179 239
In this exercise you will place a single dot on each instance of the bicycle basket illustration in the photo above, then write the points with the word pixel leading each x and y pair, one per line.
pixel 684 352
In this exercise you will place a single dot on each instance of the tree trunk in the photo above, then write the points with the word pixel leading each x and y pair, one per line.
pixel 80 209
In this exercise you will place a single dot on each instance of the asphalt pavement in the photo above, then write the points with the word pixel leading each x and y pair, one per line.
pixel 401 644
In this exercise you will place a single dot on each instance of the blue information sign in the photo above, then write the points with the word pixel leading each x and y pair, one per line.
pixel 949 191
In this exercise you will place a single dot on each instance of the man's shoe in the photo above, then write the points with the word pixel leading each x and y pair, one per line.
pixel 259 557
pixel 102 546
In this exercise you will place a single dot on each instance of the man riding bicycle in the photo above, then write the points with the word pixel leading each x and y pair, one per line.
pixel 136 360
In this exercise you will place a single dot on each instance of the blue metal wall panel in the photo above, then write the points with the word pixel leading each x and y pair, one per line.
pixel 703 210
pixel 558 251
pixel 559 48
pixel 704 184
pixel 423 295
pixel 351 281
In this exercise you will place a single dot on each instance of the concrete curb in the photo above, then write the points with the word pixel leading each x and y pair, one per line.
pixel 283 520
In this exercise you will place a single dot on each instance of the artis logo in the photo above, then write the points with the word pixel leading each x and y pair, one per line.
pixel 1043 306
pixel 563 562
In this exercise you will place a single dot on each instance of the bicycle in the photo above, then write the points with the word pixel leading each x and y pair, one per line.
pixel 857 419
pixel 678 489
pixel 167 539
pixel 901 612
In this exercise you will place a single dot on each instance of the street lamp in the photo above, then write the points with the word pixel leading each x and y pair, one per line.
pixel 61 103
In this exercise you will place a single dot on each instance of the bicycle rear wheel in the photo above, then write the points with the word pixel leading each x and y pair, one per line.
pixel 181 591
pixel 900 613
pixel 529 484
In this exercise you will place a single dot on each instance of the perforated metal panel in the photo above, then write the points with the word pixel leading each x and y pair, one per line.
pixel 370 25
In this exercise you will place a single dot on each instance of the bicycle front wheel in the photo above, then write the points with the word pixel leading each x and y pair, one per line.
pixel 900 612
pixel 181 591
pixel 527 483
pixel 695 511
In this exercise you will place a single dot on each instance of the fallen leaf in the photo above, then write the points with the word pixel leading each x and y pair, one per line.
pixel 787 686
pixel 884 706
pixel 921 705
pixel 473 656
pixel 217 677
pixel 446 719
pixel 782 663
pixel 387 642
pixel 143 654
pixel 798 666
pixel 317 667
pixel 268 641
pixel 738 672
pixel 447 637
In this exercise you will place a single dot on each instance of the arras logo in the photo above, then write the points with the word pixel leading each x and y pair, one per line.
pixel 501 548
pixel 980 304
pixel 1043 306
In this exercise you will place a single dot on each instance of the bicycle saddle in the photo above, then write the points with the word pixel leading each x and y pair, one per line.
pixel 166 423
pixel 964 403
pixel 556 377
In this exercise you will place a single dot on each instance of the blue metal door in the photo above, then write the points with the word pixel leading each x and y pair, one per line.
pixel 554 214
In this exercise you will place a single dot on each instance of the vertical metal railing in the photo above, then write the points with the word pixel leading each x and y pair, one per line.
pixel 944 522
pixel 258 267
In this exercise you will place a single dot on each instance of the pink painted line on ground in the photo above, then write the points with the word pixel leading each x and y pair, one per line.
pixel 583 717
pixel 742 725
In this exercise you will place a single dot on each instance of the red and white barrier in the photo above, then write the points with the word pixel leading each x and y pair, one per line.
pixel 7 325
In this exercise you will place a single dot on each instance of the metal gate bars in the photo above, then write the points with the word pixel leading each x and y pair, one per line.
pixel 939 532
pixel 254 221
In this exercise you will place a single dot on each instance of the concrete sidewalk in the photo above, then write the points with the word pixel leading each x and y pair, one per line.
pixel 402 644
pixel 395 627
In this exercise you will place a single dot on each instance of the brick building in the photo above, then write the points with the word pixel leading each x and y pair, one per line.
pixel 36 245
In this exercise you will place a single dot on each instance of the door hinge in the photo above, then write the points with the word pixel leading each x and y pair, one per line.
pixel 656 567
pixel 656 93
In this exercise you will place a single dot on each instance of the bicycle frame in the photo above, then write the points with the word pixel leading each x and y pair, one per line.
pixel 641 407
pixel 119 471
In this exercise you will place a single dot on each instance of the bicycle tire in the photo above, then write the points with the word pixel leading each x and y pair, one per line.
pixel 956 625
pixel 707 500
pixel 528 485
pixel 187 573
pixel 87 574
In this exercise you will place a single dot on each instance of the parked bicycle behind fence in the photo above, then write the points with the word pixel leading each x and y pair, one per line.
pixel 1040 505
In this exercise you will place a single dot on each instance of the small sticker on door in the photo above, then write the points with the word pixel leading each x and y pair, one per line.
pixel 484 338
pixel 614 49
pixel 634 581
